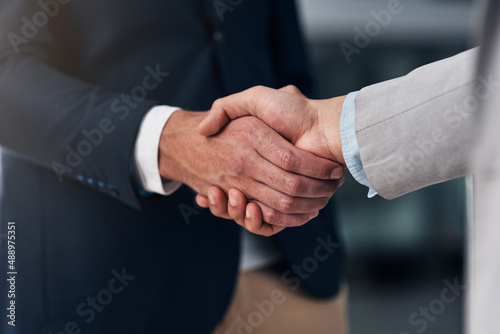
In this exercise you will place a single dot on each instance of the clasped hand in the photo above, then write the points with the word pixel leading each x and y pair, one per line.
pixel 294 181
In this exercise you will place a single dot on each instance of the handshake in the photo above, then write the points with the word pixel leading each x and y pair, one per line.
pixel 265 158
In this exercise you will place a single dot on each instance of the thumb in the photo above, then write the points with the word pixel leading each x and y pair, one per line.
pixel 231 107
pixel 215 120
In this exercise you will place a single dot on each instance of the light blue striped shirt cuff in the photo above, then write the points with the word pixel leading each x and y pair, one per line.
pixel 350 147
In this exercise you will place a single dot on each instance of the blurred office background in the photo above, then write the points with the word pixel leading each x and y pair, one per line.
pixel 401 252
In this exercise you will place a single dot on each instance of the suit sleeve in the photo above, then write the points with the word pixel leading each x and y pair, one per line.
pixel 74 129
pixel 419 129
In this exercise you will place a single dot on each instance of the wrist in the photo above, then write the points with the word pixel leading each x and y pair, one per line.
pixel 145 170
pixel 329 115
pixel 178 136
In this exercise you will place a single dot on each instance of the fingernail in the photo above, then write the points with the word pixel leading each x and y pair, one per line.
pixel 337 173
pixel 233 201
pixel 248 214
pixel 211 199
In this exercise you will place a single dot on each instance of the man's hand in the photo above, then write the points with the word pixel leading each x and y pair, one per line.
pixel 313 125
pixel 250 156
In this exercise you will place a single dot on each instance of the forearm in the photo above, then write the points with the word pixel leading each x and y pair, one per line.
pixel 179 143
pixel 60 121
pixel 418 130
pixel 74 129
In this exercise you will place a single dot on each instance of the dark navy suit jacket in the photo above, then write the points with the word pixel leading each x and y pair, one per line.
pixel 76 78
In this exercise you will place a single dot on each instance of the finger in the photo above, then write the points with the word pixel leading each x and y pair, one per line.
pixel 224 110
pixel 341 182
pixel 254 222
pixel 237 205
pixel 202 201
pixel 286 156
pixel 235 106
pixel 276 218
pixel 285 203
pixel 292 90
pixel 217 201
pixel 253 217
pixel 284 182
pixel 249 215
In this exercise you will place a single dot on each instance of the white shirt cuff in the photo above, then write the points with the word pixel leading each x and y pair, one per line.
pixel 146 170
pixel 350 146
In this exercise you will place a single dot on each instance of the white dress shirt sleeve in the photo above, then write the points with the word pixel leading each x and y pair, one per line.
pixel 146 171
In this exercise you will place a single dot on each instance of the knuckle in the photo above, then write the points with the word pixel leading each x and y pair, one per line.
pixel 293 88
pixel 324 188
pixel 287 204
pixel 258 90
pixel 217 104
pixel 272 217
pixel 321 170
pixel 294 186
pixel 287 160
pixel 238 165
pixel 258 94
